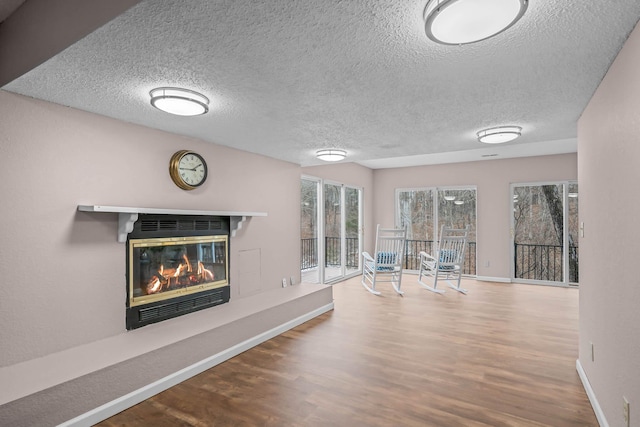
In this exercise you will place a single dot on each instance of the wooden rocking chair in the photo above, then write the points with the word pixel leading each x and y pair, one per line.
pixel 447 262
pixel 386 263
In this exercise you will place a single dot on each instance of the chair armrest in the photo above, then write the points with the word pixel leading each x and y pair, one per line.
pixel 425 256
pixel 367 257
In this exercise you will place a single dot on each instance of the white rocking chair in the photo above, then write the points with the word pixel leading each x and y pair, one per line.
pixel 386 264
pixel 447 262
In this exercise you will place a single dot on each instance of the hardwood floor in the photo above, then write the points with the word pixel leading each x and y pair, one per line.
pixel 503 355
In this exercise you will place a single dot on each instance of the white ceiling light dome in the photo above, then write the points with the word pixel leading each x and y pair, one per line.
pixel 499 135
pixel 181 102
pixel 456 22
pixel 331 155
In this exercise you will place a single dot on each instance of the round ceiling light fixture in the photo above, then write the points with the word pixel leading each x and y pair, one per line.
pixel 449 198
pixel 331 155
pixel 456 22
pixel 499 134
pixel 181 102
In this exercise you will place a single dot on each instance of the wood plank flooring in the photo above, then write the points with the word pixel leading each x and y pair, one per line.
pixel 503 355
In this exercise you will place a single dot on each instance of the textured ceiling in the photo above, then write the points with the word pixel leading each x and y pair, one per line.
pixel 287 78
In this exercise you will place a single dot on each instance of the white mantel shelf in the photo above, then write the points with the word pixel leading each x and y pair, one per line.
pixel 128 215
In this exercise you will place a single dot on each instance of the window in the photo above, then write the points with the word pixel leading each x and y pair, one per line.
pixel 425 210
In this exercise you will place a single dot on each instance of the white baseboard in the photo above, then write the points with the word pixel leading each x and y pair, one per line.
pixel 591 395
pixel 493 279
pixel 118 405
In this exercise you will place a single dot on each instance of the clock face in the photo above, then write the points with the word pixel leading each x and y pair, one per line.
pixel 188 169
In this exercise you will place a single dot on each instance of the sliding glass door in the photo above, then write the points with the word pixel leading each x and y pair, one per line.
pixel 333 232
pixel 545 232
pixel 353 221
pixel 415 210
pixel 424 210
pixel 457 209
pixel 333 211
pixel 309 230
pixel 342 219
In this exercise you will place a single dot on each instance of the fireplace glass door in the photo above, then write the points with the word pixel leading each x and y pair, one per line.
pixel 164 268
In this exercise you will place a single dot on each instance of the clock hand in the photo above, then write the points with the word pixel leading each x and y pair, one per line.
pixel 191 169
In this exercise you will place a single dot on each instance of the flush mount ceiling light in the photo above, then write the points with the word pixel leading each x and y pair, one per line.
pixel 499 135
pixel 449 198
pixel 459 202
pixel 331 155
pixel 468 21
pixel 182 102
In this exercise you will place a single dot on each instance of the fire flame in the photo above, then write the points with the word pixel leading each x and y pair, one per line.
pixel 169 277
pixel 186 260
pixel 154 285
pixel 179 270
pixel 207 275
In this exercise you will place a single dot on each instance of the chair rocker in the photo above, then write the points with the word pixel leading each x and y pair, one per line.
pixel 447 262
pixel 386 263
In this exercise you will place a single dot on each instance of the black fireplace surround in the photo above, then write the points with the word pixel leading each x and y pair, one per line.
pixel 176 264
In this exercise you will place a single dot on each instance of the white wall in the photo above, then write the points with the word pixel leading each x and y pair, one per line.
pixel 609 175
pixel 492 179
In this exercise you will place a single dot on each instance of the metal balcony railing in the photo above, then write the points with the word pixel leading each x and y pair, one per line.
pixel 537 262
pixel 332 252
pixel 309 254
pixel 544 262
pixel 414 247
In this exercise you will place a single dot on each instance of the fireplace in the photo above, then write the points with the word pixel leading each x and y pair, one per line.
pixel 175 265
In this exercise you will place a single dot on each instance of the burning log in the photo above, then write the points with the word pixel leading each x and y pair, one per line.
pixel 183 275
pixel 180 270
pixel 160 281
pixel 154 285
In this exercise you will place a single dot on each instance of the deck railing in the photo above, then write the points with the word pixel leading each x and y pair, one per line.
pixel 332 252
pixel 544 262
pixel 538 262
pixel 309 253
pixel 414 247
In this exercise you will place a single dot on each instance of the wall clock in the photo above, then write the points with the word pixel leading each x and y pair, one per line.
pixel 188 170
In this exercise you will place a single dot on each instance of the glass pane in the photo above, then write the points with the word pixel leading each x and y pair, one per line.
pixel 573 225
pixel 309 231
pixel 415 211
pixel 457 209
pixel 332 232
pixel 352 227
pixel 538 232
pixel 168 267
